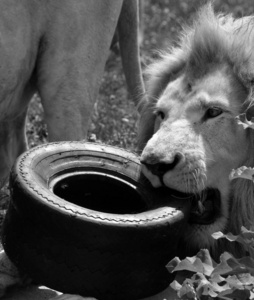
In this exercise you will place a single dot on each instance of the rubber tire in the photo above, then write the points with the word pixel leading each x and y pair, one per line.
pixel 77 250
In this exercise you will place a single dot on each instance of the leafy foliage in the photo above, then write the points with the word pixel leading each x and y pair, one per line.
pixel 231 278
pixel 242 172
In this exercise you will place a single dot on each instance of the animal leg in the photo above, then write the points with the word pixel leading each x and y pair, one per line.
pixel 12 143
pixel 72 63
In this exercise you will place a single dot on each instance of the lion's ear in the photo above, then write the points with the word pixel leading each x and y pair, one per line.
pixel 164 70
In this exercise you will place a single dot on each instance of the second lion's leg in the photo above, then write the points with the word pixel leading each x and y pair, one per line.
pixel 71 65
pixel 12 143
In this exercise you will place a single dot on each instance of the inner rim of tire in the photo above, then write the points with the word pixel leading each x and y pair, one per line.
pixel 99 192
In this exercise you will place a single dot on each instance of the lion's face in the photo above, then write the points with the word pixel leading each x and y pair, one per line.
pixel 195 145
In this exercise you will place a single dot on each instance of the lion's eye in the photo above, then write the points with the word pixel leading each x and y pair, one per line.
pixel 213 112
pixel 160 114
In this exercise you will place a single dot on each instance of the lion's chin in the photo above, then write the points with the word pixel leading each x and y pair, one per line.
pixel 205 206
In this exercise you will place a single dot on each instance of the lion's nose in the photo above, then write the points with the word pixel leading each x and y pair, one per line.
pixel 160 168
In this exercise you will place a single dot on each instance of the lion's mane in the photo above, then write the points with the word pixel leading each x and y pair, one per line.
pixel 211 39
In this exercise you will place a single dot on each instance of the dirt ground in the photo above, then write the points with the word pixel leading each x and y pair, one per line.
pixel 114 118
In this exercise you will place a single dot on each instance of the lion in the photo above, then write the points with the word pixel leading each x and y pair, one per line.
pixel 59 49
pixel 189 138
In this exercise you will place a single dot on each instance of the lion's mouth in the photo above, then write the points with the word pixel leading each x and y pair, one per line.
pixel 205 206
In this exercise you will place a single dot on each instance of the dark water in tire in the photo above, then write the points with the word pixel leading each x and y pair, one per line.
pixel 101 193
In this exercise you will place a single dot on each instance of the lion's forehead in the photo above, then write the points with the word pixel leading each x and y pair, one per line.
pixel 214 89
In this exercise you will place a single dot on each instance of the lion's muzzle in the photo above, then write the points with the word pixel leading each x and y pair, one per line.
pixel 156 165
pixel 160 168
pixel 174 157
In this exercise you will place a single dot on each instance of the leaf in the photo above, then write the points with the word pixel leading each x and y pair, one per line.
pixel 246 238
pixel 206 290
pixel 233 281
pixel 252 293
pixel 242 120
pixel 235 294
pixel 231 266
pixel 246 279
pixel 201 263
pixel 248 262
pixel 205 257
pixel 190 264
pixel 187 289
pixel 217 278
pixel 218 235
pixel 222 268
pixel 242 172
pixel 175 285
pixel 248 234
pixel 173 264
pixel 220 288
pixel 204 287
pixel 240 281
